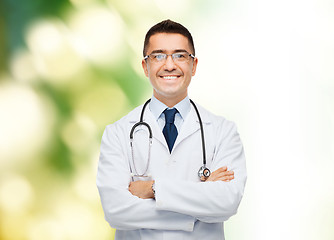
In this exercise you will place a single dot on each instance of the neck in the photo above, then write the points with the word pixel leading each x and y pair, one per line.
pixel 170 101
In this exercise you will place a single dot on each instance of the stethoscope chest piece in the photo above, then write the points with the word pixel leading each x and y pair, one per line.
pixel 204 173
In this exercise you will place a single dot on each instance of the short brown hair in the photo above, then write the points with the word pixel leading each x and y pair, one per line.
pixel 168 26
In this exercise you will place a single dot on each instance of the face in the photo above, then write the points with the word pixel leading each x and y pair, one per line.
pixel 169 80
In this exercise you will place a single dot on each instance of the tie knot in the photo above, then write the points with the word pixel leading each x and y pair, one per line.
pixel 170 115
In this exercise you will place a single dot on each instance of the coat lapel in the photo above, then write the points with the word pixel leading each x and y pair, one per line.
pixel 156 131
pixel 190 126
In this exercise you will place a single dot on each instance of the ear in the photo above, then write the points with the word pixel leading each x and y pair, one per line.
pixel 194 66
pixel 144 64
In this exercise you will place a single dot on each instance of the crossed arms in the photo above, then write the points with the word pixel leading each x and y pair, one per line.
pixel 143 189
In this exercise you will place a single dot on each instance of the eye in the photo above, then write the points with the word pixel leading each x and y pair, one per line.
pixel 159 56
pixel 180 55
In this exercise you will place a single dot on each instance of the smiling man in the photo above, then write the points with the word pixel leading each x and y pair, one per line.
pixel 171 79
pixel 170 169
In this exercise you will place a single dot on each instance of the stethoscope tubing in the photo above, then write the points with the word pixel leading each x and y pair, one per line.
pixel 141 122
pixel 202 132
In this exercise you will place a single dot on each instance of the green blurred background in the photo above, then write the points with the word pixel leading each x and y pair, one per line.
pixel 70 67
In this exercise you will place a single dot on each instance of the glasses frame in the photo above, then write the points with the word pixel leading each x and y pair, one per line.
pixel 165 54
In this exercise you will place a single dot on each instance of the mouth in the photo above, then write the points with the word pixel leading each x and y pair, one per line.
pixel 170 77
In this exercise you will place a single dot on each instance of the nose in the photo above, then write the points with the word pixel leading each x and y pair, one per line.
pixel 169 64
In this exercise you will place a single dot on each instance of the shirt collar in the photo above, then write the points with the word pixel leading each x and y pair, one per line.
pixel 157 107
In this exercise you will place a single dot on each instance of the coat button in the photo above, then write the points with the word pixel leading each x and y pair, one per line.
pixel 190 226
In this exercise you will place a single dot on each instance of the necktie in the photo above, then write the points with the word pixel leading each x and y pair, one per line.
pixel 170 131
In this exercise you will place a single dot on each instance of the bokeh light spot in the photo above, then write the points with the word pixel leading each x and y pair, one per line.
pixel 16 194
pixel 54 51
pixel 22 66
pixel 24 123
pixel 99 31
pixel 79 133
pixel 41 228
pixel 108 97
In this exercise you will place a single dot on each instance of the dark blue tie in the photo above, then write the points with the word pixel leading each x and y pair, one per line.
pixel 170 131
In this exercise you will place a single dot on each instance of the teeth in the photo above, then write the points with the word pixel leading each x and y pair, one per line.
pixel 169 77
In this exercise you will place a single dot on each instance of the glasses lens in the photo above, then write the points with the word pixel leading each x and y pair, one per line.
pixel 158 57
pixel 180 57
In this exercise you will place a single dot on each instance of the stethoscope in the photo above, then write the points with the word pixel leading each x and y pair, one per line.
pixel 203 172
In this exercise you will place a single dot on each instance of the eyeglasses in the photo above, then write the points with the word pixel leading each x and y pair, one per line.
pixel 179 57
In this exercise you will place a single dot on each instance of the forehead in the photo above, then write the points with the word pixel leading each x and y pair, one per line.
pixel 168 42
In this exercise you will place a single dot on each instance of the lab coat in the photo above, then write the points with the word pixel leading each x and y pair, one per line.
pixel 184 207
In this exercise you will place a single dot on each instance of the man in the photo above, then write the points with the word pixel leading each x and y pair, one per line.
pixel 169 200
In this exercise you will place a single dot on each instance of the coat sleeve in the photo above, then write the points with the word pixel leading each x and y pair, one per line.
pixel 209 201
pixel 123 210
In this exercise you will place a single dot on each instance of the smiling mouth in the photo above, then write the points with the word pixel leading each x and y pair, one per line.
pixel 169 77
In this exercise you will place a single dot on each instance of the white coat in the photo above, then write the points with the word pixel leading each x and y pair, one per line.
pixel 184 208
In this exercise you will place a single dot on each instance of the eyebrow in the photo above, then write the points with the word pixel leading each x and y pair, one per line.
pixel 163 51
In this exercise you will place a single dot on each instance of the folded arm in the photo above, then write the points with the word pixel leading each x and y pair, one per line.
pixel 211 201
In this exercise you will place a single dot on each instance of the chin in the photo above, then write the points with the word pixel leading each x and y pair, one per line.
pixel 170 92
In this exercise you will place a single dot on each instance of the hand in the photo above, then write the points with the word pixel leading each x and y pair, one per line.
pixel 221 174
pixel 142 189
